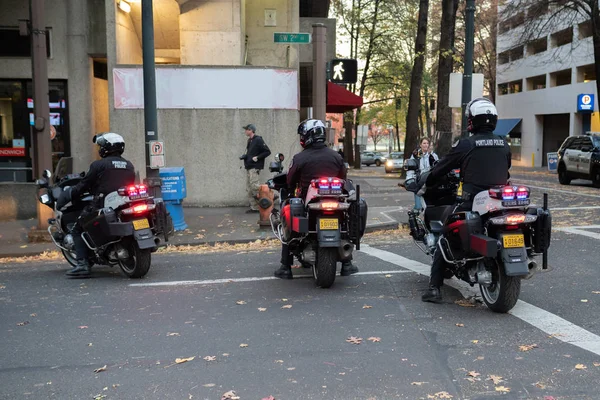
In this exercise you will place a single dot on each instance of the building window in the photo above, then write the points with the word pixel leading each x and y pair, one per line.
pixel 537 10
pixel 560 78
pixel 503 58
pixel 100 70
pixel 537 46
pixel 503 27
pixel 586 73
pixel 562 38
pixel 14 45
pixel 503 89
pixel 536 82
pixel 510 87
pixel 511 23
pixel 585 29
pixel 516 53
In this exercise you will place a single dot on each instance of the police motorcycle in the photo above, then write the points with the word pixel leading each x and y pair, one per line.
pixel 494 245
pixel 125 232
pixel 323 228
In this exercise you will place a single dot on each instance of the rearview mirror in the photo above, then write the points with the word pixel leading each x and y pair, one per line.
pixel 47 174
pixel 279 157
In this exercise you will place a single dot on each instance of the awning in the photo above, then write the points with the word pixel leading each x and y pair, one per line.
pixel 340 100
pixel 504 126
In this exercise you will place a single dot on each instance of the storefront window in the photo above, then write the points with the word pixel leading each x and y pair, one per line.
pixel 514 142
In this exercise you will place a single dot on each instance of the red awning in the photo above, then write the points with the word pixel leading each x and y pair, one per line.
pixel 340 100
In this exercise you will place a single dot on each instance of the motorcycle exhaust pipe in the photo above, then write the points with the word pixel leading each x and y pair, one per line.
pixel 345 250
pixel 533 268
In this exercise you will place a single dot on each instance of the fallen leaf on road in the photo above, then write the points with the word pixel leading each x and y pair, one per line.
pixel 210 358
pixel 291 368
pixel 354 340
pixel 209 385
pixel 597 364
pixel 596 292
pixel 388 276
pixel 225 354
pixel 475 341
pixel 261 309
pixel 2 287
pixel 555 335
pixel 100 369
pixel 23 323
pixel 502 389
pixel 89 345
pixel 473 374
pixel 284 300
pixel 229 396
pixel 473 380
pixel 243 345
pixel 580 366
pixel 366 306
pixel 417 383
pixel 268 398
pixel 182 360
pixel 374 339
pixel 240 302
pixel 440 395
pixel 584 301
pixel 99 396
pixel 527 347
pixel 540 385
pixel 279 361
pixel 460 325
pixel 549 398
pixel 172 334
pixel 83 327
pixel 464 303
pixel 287 306
pixel 24 246
pixel 495 378
pixel 33 315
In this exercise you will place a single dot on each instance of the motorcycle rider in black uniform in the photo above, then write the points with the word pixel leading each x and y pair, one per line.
pixel 315 161
pixel 104 176
pixel 484 160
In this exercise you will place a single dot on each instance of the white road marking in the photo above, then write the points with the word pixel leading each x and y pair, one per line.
pixel 562 329
pixel 250 279
pixel 580 230
pixel 575 208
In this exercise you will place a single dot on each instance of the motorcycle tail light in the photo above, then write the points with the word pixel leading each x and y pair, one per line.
pixel 134 191
pixel 333 205
pixel 513 219
pixel 522 193
pixel 139 209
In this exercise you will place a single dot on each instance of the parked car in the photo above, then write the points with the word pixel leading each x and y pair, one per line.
pixel 579 158
pixel 372 157
pixel 395 162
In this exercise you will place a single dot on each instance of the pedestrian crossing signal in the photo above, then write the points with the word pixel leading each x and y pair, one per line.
pixel 344 70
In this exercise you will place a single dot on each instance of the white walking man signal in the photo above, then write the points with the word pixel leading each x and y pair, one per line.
pixel 338 71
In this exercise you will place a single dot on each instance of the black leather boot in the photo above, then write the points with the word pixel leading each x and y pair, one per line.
pixel 82 270
pixel 348 268
pixel 284 272
pixel 432 295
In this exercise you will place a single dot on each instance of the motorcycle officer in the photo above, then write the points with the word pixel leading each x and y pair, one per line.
pixel 105 176
pixel 484 160
pixel 314 161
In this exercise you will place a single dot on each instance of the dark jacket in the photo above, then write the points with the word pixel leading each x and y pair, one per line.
pixel 484 160
pixel 316 161
pixel 256 147
pixel 105 176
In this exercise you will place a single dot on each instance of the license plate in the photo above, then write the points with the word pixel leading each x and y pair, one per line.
pixel 515 203
pixel 141 224
pixel 512 241
pixel 328 224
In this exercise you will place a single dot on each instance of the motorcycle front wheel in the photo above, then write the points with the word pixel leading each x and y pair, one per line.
pixel 324 268
pixel 72 258
pixel 137 264
pixel 502 295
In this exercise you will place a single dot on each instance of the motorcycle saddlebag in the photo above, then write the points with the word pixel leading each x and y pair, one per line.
pixel 541 229
pixel 360 208
pixel 98 227
pixel 459 227
pixel 293 217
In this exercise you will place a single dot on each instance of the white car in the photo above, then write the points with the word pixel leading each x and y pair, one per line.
pixel 395 162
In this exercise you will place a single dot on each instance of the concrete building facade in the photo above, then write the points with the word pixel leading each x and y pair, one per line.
pixel 540 83
pixel 218 69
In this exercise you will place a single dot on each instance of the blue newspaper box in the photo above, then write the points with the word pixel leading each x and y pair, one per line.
pixel 552 162
pixel 173 192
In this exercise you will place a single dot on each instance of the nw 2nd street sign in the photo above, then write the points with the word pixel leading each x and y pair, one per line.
pixel 286 37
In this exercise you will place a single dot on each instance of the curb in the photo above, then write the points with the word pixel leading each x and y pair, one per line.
pixel 372 228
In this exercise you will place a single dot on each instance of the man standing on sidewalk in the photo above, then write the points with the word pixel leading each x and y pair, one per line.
pixel 254 161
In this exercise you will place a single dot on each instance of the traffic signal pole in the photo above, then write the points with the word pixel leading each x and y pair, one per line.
pixel 319 71
pixel 150 113
pixel 468 72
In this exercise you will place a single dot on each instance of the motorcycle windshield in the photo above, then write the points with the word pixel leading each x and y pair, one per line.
pixel 63 167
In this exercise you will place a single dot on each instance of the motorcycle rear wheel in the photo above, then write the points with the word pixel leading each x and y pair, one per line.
pixel 502 295
pixel 324 268
pixel 138 263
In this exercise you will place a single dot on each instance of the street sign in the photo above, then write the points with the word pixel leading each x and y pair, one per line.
pixel 287 37
pixel 157 154
pixel 585 102
pixel 344 70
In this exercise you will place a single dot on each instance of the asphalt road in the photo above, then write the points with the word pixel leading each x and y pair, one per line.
pixel 56 332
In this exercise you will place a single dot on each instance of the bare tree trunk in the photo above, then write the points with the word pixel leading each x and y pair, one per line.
pixel 427 115
pixel 414 102
pixel 445 68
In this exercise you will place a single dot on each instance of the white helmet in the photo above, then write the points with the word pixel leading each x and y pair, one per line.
pixel 481 113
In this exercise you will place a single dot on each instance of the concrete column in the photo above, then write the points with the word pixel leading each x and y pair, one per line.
pixel 319 39
pixel 211 32
pixel 80 85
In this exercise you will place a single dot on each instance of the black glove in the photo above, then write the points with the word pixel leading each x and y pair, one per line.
pixel 243 156
pixel 430 180
pixel 64 198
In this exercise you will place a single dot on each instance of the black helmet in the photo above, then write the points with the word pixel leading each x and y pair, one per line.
pixel 109 144
pixel 311 131
pixel 482 115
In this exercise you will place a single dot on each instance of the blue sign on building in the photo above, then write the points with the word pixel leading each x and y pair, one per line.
pixel 585 103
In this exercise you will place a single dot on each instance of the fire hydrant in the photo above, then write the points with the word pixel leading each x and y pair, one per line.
pixel 265 204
